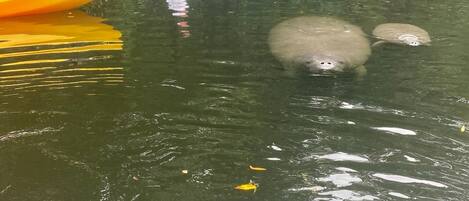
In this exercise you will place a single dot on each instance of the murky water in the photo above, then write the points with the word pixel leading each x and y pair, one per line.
pixel 114 102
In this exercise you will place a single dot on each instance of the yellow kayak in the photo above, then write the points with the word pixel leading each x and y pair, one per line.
pixel 10 8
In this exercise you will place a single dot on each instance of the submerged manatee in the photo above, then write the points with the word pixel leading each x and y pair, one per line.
pixel 319 44
pixel 397 33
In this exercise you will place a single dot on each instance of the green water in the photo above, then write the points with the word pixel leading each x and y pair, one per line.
pixel 202 93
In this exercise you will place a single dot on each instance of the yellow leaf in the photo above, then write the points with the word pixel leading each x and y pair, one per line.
pixel 463 128
pixel 257 168
pixel 247 187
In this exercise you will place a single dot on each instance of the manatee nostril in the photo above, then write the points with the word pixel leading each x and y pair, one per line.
pixel 322 62
pixel 329 63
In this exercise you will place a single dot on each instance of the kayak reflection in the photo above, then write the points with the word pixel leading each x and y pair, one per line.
pixel 56 51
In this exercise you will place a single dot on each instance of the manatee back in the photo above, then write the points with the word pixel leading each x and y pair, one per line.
pixel 391 32
pixel 294 38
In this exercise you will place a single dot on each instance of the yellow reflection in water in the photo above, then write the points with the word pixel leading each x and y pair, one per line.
pixel 35 62
pixel 34 49
pixel 65 50
pixel 55 28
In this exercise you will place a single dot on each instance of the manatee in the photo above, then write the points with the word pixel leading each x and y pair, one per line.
pixel 405 34
pixel 319 44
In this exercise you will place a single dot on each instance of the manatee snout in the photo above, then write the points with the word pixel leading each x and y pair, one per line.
pixel 322 64
pixel 410 39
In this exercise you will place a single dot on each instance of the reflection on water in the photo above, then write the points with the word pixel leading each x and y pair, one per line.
pixel 340 156
pixel 407 180
pixel 57 51
pixel 399 195
pixel 344 195
pixel 400 131
pixel 180 9
pixel 341 179
pixel 25 133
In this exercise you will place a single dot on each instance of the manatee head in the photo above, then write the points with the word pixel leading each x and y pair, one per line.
pixel 322 63
pixel 410 39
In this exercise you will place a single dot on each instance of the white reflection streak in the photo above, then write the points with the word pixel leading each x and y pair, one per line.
pixel 407 180
pixel 345 195
pixel 341 180
pixel 399 195
pixel 341 156
pixel 26 133
pixel 396 130
pixel 180 9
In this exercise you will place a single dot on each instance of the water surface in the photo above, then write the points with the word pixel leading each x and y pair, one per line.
pixel 114 101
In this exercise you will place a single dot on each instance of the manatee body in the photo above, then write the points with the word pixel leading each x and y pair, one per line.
pixel 319 44
pixel 405 34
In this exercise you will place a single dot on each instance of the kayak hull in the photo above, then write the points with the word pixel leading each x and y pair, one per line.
pixel 10 8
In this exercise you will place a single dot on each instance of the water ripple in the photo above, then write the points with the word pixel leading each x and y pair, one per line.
pixel 341 156
pixel 345 195
pixel 341 180
pixel 400 131
pixel 407 180
pixel 13 135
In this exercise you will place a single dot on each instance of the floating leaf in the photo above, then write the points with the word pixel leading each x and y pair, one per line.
pixel 463 128
pixel 184 171
pixel 247 187
pixel 257 168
